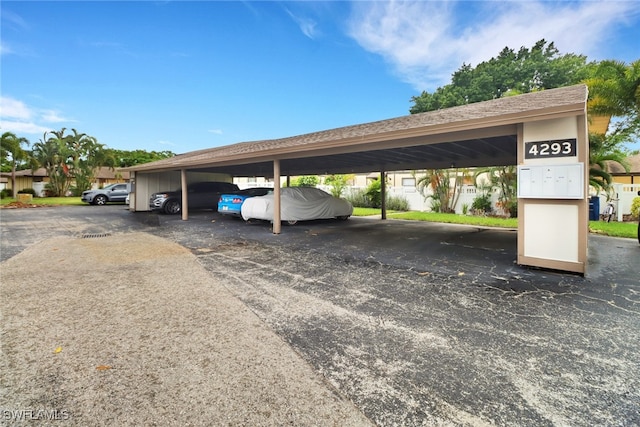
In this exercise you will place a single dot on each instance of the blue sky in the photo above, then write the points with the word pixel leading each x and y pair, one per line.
pixel 182 76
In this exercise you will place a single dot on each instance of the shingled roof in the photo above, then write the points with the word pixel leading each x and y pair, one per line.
pixel 633 162
pixel 478 134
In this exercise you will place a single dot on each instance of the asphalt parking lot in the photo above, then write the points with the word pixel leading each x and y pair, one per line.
pixel 415 323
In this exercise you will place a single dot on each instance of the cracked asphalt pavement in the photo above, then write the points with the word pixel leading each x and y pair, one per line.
pixel 415 323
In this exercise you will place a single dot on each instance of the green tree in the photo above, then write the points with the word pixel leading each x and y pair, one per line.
pixel 87 156
pixel 124 158
pixel 603 149
pixel 306 181
pixel 445 187
pixel 504 178
pixel 373 193
pixel 614 90
pixel 52 154
pixel 70 157
pixel 337 183
pixel 528 70
pixel 12 154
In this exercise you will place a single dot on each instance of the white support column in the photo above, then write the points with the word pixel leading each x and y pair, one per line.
pixel 183 186
pixel 276 197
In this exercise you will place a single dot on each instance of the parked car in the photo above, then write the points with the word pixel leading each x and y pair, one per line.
pixel 297 204
pixel 110 193
pixel 200 195
pixel 230 204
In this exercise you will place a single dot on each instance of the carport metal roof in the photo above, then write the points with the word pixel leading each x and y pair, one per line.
pixel 479 134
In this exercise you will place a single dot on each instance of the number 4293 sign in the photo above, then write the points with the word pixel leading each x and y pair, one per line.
pixel 546 149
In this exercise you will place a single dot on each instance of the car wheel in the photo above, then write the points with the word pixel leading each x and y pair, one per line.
pixel 343 217
pixel 292 222
pixel 172 207
pixel 100 200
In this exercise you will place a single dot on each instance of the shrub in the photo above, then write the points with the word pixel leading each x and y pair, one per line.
pixel 374 193
pixel 5 193
pixel 305 181
pixel 397 203
pixel 75 191
pixel 512 207
pixel 509 207
pixel 635 208
pixel 358 198
pixel 482 203
pixel 28 191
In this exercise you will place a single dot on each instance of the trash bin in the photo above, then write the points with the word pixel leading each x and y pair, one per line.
pixel 594 208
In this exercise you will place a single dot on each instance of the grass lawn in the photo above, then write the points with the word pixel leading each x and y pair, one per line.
pixel 49 201
pixel 614 229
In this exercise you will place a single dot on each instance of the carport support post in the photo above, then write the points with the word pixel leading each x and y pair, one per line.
pixel 276 197
pixel 383 193
pixel 183 185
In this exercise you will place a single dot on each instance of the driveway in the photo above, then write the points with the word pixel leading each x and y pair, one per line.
pixel 415 323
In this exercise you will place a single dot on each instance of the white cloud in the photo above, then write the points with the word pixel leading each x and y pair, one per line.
pixel 426 41
pixel 13 20
pixel 53 116
pixel 18 117
pixel 22 127
pixel 215 131
pixel 5 49
pixel 14 109
pixel 307 26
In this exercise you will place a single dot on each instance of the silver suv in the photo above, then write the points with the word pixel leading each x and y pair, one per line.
pixel 201 195
pixel 110 193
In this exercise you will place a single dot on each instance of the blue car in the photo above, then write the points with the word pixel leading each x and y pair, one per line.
pixel 230 203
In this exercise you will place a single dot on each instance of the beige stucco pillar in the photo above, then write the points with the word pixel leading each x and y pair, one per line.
pixel 277 224
pixel 383 194
pixel 183 185
pixel 553 206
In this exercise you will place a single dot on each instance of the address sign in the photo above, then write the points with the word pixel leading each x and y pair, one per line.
pixel 553 148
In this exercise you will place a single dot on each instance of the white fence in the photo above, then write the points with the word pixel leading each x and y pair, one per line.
pixel 417 201
pixel 623 198
pixel 623 195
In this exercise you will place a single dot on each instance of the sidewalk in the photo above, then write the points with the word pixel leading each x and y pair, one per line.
pixel 130 330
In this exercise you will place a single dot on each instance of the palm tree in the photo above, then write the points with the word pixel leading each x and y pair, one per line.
pixel 11 146
pixel 87 155
pixel 445 185
pixel 52 154
pixel 614 91
pixel 602 149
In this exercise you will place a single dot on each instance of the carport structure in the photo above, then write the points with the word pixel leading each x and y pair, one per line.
pixel 553 221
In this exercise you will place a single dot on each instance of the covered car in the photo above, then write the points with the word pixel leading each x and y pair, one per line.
pixel 297 204
pixel 230 203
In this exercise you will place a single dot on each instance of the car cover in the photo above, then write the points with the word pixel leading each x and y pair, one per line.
pixel 297 204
